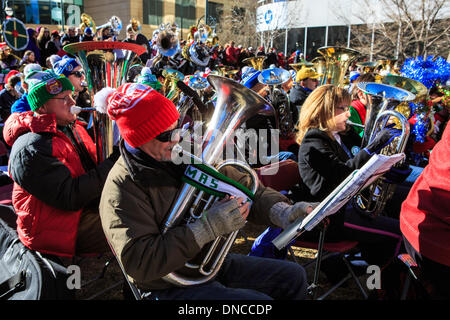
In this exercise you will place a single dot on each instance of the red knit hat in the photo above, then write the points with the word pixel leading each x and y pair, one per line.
pixel 141 113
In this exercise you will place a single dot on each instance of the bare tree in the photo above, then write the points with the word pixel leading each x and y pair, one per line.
pixel 407 28
pixel 238 23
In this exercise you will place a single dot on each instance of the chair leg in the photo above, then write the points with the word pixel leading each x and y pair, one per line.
pixel 406 287
pixel 313 287
pixel 353 275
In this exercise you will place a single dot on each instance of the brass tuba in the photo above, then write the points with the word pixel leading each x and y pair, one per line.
pixel 169 88
pixel 383 100
pixel 255 62
pixel 106 64
pixel 337 61
pixel 87 21
pixel 235 105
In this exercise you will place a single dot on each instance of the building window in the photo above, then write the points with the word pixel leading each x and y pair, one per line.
pixel 153 12
pixel 337 36
pixel 185 16
pixel 215 10
pixel 315 40
pixel 296 40
pixel 48 11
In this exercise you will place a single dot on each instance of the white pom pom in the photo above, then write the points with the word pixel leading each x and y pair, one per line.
pixel 146 70
pixel 54 58
pixel 31 67
pixel 101 99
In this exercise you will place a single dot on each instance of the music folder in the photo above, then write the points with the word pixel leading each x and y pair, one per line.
pixel 356 181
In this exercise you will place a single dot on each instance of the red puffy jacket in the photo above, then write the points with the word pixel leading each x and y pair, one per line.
pixel 53 180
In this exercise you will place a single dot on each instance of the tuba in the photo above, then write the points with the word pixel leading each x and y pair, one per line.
pixel 114 23
pixel 387 66
pixel 410 85
pixel 337 61
pixel 383 100
pixel 255 62
pixel 368 66
pixel 235 105
pixel 279 99
pixel 167 39
pixel 87 21
pixel 106 64
pixel 169 89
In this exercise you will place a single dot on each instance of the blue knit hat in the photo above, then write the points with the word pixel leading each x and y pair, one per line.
pixel 250 77
pixel 64 66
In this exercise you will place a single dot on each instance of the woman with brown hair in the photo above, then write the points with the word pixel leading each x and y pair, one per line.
pixel 42 39
pixel 28 57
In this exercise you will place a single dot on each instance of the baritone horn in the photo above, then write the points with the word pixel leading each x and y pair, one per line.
pixel 383 99
pixel 235 105
pixel 106 64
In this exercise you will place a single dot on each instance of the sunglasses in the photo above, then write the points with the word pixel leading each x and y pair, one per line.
pixel 166 136
pixel 77 74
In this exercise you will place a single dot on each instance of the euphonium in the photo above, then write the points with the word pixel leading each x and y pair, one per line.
pixel 235 105
pixel 106 64
pixel 337 61
pixel 279 99
pixel 382 99
pixel 255 62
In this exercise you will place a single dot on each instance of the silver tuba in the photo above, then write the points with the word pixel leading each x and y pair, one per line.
pixel 235 104
pixel 279 99
pixel 383 100
pixel 106 64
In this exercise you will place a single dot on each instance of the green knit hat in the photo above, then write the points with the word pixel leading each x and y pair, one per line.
pixel 44 85
pixel 149 79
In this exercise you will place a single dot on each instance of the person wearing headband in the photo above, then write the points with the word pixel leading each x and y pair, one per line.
pixel 141 188
pixel 57 178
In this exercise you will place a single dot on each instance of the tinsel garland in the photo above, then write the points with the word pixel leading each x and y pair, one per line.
pixel 432 71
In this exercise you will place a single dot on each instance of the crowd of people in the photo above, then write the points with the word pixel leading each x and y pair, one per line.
pixel 68 202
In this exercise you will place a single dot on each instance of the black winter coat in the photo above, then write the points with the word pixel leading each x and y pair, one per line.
pixel 324 164
pixel 298 95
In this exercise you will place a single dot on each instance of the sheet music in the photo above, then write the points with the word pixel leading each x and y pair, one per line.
pixel 356 181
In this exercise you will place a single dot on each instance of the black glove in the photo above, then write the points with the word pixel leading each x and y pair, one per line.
pixel 382 139
pixel 397 175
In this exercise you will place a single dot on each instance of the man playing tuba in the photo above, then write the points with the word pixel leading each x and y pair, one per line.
pixel 138 195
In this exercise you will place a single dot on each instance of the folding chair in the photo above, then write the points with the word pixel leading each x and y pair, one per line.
pixel 283 176
pixel 134 290
pixel 324 251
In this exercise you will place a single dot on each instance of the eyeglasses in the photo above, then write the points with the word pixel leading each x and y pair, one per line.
pixel 77 74
pixel 166 136
pixel 345 109
pixel 67 99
